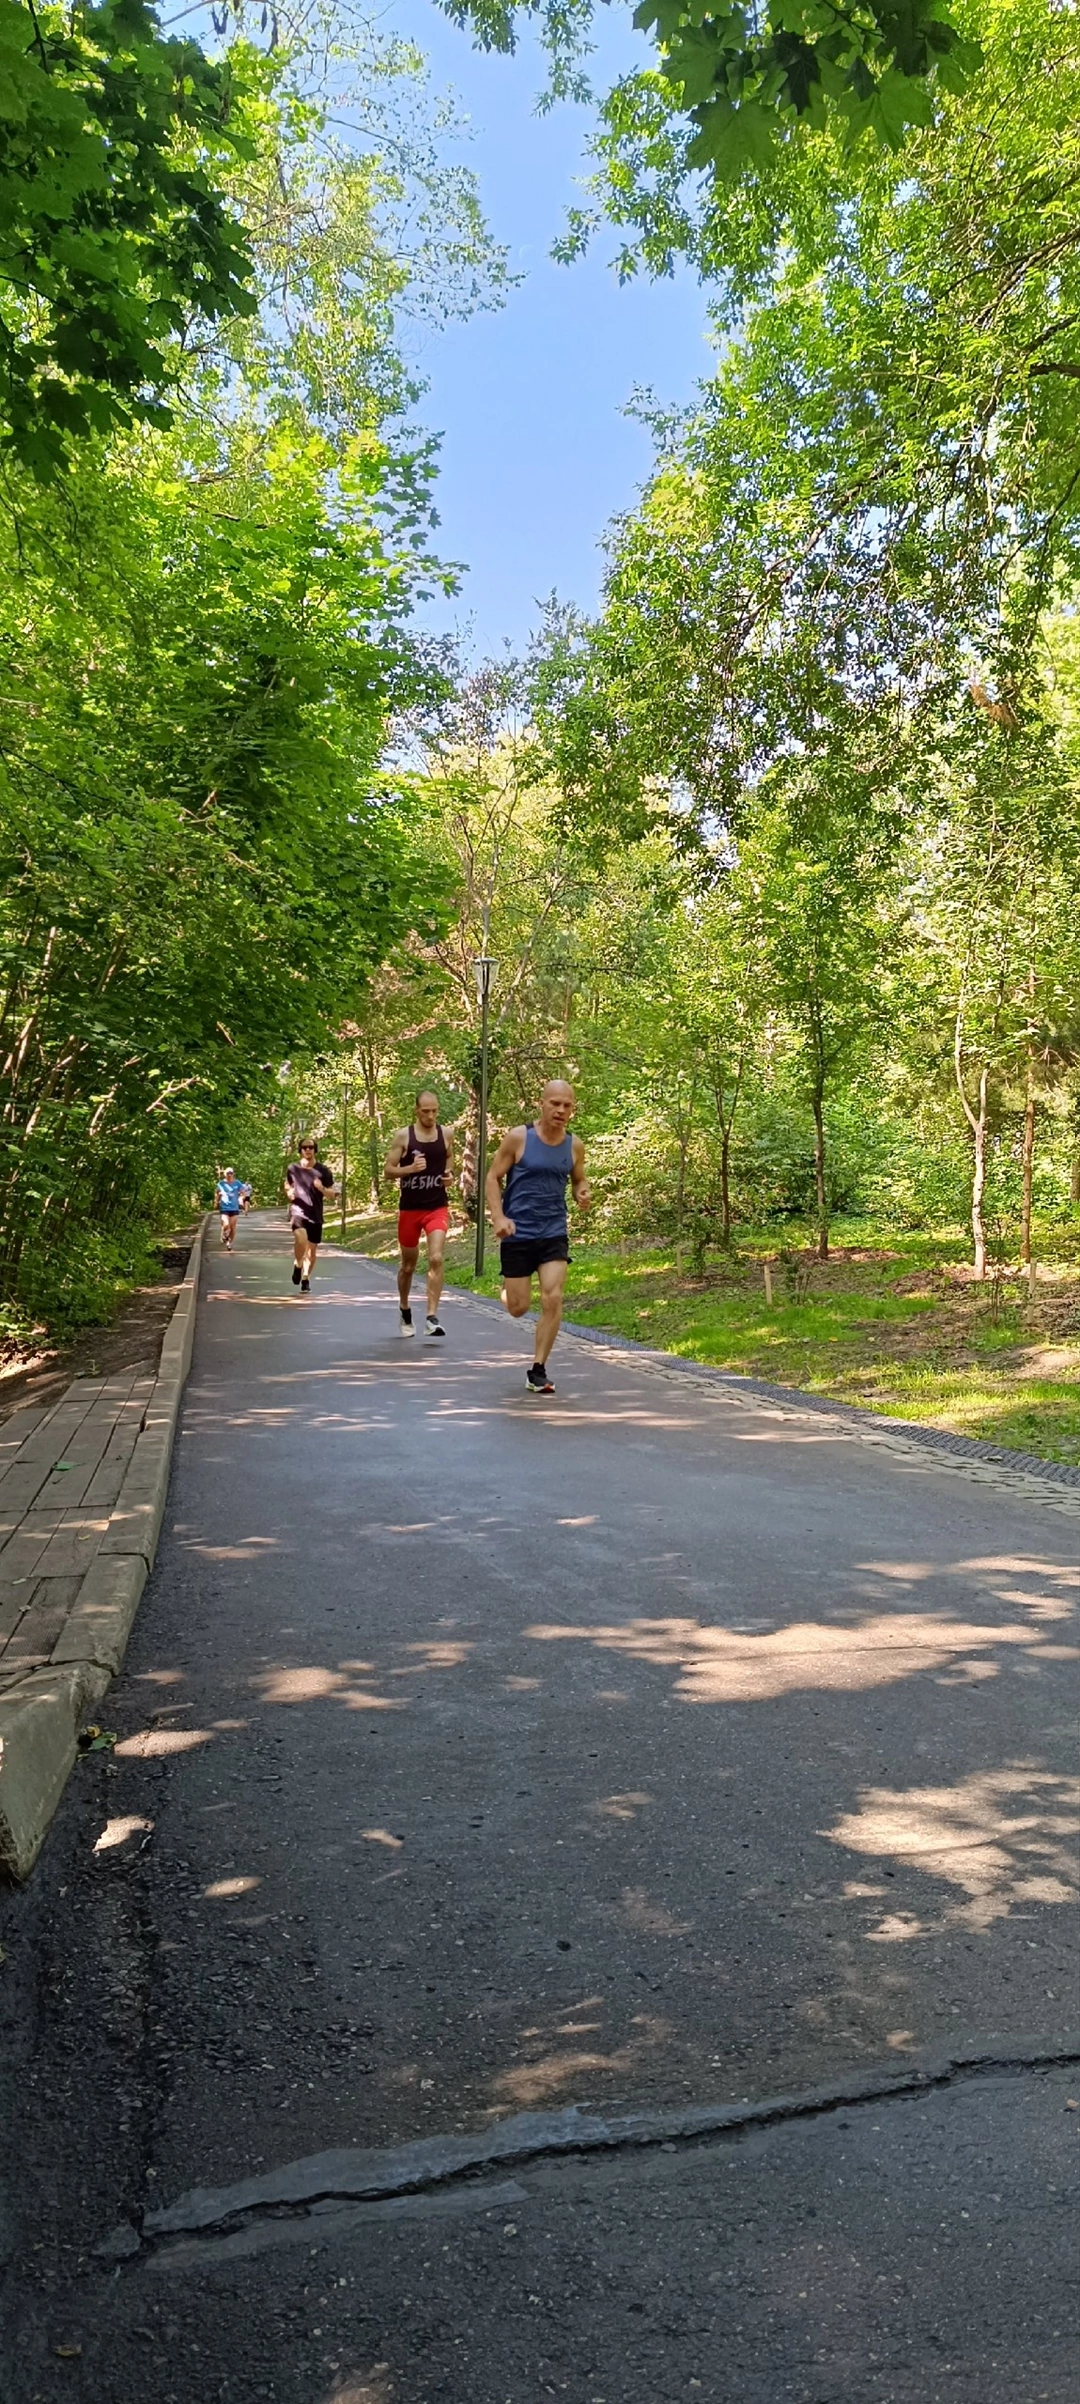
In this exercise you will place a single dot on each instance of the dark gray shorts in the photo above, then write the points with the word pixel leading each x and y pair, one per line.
pixel 521 1256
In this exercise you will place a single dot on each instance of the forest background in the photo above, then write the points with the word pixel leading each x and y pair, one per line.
pixel 779 854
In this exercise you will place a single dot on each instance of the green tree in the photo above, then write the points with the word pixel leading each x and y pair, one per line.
pixel 924 319
pixel 746 82
pixel 673 994
pixel 995 891
pixel 816 893
pixel 206 635
pixel 115 228
pixel 519 884
pixel 196 864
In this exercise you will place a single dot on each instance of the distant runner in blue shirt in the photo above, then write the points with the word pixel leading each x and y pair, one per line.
pixel 528 1214
pixel 233 1196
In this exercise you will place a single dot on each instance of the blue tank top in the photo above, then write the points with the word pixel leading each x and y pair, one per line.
pixel 534 1195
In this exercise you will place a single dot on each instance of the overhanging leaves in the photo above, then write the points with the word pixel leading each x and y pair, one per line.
pixel 114 231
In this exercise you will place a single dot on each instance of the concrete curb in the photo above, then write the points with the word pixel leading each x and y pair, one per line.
pixel 39 1717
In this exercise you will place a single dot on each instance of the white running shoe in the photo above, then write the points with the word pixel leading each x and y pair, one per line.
pixel 405 1325
pixel 432 1327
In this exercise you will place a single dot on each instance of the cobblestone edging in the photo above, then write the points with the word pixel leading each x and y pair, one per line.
pixel 82 1493
pixel 855 1415
pixel 1022 1474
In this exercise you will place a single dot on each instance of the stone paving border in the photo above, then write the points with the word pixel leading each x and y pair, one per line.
pixel 853 1414
pixel 1023 1474
pixel 84 1568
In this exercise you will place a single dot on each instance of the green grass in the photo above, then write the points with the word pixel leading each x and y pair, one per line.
pixel 890 1322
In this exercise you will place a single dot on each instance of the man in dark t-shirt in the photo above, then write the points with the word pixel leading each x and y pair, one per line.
pixel 308 1184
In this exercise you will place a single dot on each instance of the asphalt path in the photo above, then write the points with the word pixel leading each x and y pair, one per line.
pixel 646 1749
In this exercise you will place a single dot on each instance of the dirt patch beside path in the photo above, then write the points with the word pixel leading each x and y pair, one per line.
pixel 132 1340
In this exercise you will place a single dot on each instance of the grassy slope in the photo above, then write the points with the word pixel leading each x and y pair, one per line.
pixel 894 1323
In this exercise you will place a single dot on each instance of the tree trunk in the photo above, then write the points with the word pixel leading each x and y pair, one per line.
pixel 977 1122
pixel 1028 1158
pixel 820 1189
pixel 725 1188
pixel 683 1131
pixel 725 1119
pixel 978 1177
pixel 819 1070
pixel 371 1102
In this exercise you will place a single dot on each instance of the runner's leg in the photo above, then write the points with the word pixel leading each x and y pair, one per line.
pixel 516 1294
pixel 552 1276
pixel 410 1254
pixel 436 1247
pixel 299 1245
pixel 308 1263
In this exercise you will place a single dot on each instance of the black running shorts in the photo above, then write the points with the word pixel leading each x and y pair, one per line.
pixel 521 1256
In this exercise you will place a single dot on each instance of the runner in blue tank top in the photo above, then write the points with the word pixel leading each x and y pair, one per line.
pixel 526 1199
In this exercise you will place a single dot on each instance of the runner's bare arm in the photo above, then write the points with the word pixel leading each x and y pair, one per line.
pixel 510 1150
pixel 582 1190
pixel 393 1167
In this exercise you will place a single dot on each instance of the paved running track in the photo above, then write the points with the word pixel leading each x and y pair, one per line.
pixel 648 1750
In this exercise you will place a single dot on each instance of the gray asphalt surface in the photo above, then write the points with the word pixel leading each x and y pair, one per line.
pixel 478 1756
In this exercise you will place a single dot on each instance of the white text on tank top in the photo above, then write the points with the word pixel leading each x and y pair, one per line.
pixel 428 1184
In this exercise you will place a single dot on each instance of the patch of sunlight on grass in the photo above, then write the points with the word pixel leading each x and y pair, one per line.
pixel 1039 1415
pixel 1000 1335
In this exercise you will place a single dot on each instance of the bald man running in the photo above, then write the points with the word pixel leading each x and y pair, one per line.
pixel 528 1215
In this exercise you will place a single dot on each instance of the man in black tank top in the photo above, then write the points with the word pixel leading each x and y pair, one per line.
pixel 420 1159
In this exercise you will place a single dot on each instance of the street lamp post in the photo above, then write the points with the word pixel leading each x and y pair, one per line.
pixel 484 970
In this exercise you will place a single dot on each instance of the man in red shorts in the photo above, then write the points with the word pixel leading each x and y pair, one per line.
pixel 420 1157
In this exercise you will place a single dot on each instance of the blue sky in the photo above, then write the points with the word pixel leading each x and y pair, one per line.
pixel 536 453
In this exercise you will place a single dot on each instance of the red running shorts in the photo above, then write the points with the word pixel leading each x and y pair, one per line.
pixel 412 1224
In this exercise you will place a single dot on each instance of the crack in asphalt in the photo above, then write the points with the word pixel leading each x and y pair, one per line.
pixel 427 2165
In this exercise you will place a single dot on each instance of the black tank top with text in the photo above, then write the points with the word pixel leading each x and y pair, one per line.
pixel 427 1187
